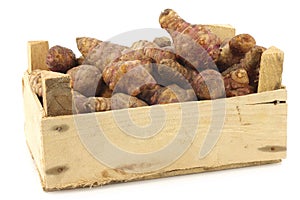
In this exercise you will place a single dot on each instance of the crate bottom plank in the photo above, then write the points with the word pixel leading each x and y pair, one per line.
pixel 178 172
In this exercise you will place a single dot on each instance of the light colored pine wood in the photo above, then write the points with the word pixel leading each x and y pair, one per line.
pixel 37 52
pixel 222 30
pixel 270 72
pixel 34 113
pixel 57 95
pixel 252 124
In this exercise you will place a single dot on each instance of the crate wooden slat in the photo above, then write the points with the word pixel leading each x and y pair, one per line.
pixel 253 132
pixel 36 55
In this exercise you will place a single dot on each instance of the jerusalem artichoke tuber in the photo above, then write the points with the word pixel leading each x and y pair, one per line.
pixel 177 27
pixel 86 44
pixel 117 101
pixel 128 77
pixel 60 59
pixel 209 84
pixel 103 54
pixel 233 50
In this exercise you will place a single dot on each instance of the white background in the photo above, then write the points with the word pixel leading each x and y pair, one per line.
pixel 60 22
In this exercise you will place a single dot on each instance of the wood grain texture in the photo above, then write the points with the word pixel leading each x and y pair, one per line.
pixel 37 52
pixel 252 123
pixel 271 67
pixel 222 30
pixel 34 113
pixel 57 95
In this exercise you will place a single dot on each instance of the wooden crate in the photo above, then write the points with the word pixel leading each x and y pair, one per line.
pixel 85 150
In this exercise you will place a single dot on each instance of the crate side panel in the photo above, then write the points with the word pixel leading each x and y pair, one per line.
pixel 252 132
pixel 33 116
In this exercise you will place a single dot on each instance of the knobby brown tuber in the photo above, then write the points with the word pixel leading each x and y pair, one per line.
pixel 209 84
pixel 117 101
pixel 250 63
pixel 35 81
pixel 236 82
pixel 162 41
pixel 86 44
pixel 79 102
pixel 80 60
pixel 170 94
pixel 129 77
pixel 150 94
pixel 137 51
pixel 233 50
pixel 170 71
pixel 241 44
pixel 158 54
pixel 103 54
pixel 173 93
pixel 97 104
pixel 104 90
pixel 60 59
pixel 72 72
pixel 86 79
pixel 197 35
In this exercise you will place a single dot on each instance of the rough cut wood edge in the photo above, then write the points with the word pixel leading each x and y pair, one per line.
pixel 57 95
pixel 179 172
pixel 33 96
pixel 271 67
pixel 34 113
pixel 37 52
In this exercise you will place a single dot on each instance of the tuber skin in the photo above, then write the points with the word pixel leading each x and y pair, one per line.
pixel 236 83
pixel 150 94
pixel 130 54
pixel 86 44
pixel 72 73
pixel 162 41
pixel 117 101
pixel 80 60
pixel 209 84
pixel 60 59
pixel 141 44
pixel 79 102
pixel 86 80
pixel 137 51
pixel 104 54
pixel 35 81
pixel 171 71
pixel 241 44
pixel 233 50
pixel 129 77
pixel 104 90
pixel 202 36
pixel 173 94
pixel 120 101
pixel 251 63
pixel 170 94
pixel 98 104
pixel 158 54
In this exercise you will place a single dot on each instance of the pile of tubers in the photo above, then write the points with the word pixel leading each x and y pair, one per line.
pixel 194 65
